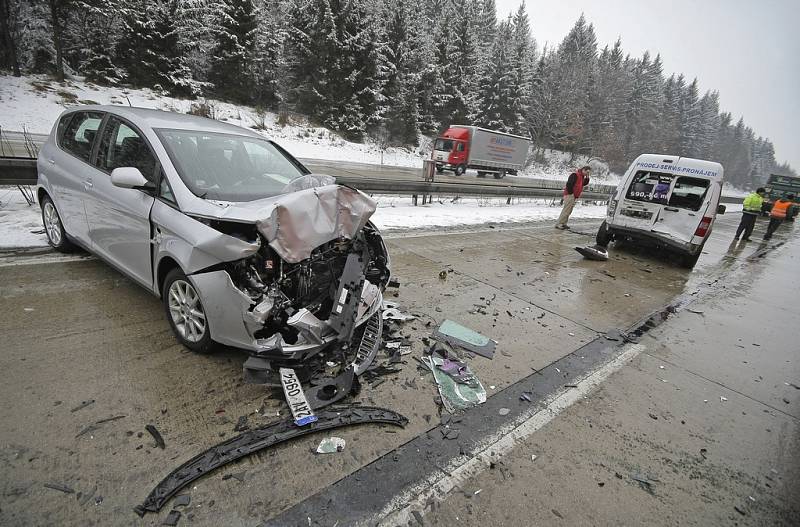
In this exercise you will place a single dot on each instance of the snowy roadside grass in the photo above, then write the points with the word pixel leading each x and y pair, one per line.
pixel 20 223
pixel 34 103
pixel 399 213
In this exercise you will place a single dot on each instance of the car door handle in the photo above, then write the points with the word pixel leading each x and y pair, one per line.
pixel 672 209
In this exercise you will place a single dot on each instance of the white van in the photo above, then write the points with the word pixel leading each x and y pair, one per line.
pixel 665 201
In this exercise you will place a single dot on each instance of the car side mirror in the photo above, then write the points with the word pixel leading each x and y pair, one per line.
pixel 129 177
pixel 721 209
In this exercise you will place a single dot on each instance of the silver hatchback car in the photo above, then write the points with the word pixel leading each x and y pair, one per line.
pixel 244 246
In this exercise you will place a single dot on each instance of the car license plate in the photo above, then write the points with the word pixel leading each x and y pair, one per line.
pixel 301 410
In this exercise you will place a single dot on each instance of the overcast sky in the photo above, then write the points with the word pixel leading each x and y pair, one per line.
pixel 748 50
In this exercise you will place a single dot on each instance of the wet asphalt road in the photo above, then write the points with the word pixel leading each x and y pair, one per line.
pixel 76 331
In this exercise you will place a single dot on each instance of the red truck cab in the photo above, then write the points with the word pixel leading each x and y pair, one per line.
pixel 451 150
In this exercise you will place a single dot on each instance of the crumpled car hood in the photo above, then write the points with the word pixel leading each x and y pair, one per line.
pixel 296 223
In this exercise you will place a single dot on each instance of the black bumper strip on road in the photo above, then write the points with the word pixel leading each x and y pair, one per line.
pixel 259 439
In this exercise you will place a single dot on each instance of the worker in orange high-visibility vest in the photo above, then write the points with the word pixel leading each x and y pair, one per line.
pixel 779 212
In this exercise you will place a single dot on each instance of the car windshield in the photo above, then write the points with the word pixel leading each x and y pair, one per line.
pixel 228 167
pixel 445 145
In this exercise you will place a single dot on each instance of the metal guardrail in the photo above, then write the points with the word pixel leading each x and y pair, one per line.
pixel 22 171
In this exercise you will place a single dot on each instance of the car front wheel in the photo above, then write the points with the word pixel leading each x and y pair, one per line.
pixel 56 235
pixel 185 312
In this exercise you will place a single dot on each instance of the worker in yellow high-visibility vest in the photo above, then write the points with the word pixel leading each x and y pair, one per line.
pixel 779 212
pixel 750 211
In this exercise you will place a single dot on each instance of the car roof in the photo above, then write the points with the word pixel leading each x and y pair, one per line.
pixel 171 120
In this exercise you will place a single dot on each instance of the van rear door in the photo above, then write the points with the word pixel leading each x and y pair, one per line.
pixel 686 207
pixel 641 204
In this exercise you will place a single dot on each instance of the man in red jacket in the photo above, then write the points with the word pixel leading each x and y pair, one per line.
pixel 572 191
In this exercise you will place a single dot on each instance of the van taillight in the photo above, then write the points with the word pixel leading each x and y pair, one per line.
pixel 702 229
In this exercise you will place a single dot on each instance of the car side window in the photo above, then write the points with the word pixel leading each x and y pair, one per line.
pixel 164 190
pixel 122 146
pixel 80 132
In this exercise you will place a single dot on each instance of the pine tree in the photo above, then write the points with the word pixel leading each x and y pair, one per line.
pixel 401 90
pixel 231 69
pixel 335 65
pixel 149 50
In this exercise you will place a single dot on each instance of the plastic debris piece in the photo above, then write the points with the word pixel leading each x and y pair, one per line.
pixel 595 252
pixel 722 399
pixel 533 457
pixel 60 488
pixel 182 500
pixel 83 405
pixel 156 435
pixel 396 314
pixel 172 518
pixel 503 411
pixel 241 424
pixel 238 476
pixel 455 395
pixel 457 335
pixel 330 445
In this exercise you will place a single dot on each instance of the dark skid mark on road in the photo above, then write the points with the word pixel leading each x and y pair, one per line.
pixel 369 489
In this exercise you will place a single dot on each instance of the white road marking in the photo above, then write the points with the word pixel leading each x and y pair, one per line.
pixel 437 486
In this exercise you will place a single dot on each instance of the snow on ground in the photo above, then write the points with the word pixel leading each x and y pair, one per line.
pixel 399 213
pixel 34 102
pixel 21 224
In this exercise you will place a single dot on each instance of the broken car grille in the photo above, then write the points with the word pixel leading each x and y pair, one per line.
pixel 370 343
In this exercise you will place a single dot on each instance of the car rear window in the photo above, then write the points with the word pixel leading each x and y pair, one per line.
pixel 80 133
pixel 650 187
pixel 689 193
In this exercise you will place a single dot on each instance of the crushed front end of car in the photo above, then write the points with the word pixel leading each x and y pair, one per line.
pixel 311 293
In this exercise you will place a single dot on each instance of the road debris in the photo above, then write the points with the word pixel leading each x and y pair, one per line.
pixel 503 411
pixel 644 482
pixel 182 500
pixel 457 335
pixel 156 435
pixel 60 488
pixel 455 395
pixel 172 518
pixel 330 445
pixel 593 252
pixel 258 439
pixel 94 426
pixel 241 424
pixel 238 476
pixel 83 405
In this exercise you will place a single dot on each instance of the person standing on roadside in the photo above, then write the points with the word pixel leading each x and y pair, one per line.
pixel 750 211
pixel 572 191
pixel 779 212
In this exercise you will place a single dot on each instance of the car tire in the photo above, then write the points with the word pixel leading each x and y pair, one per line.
pixel 54 228
pixel 604 235
pixel 185 313
pixel 460 169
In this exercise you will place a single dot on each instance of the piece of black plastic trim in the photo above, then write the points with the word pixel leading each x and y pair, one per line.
pixel 259 439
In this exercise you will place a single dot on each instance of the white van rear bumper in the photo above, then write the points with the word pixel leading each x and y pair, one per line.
pixel 656 239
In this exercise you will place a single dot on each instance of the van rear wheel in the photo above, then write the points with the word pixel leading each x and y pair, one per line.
pixel 604 235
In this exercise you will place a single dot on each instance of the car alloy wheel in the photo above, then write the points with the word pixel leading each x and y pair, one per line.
pixel 186 311
pixel 52 224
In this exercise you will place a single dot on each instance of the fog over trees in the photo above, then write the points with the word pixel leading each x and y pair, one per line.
pixel 400 68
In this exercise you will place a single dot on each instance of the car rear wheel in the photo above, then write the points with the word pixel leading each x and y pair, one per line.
pixel 185 312
pixel 56 235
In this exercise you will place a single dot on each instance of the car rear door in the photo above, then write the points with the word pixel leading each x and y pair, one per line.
pixel 641 203
pixel 687 206
pixel 119 218
pixel 68 169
